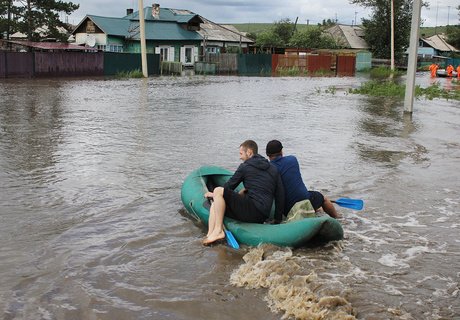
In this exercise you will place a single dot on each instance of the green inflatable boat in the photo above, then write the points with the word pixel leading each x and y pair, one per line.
pixel 293 234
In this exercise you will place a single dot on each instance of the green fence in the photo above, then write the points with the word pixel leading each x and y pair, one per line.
pixel 453 61
pixel 254 64
pixel 363 61
pixel 124 62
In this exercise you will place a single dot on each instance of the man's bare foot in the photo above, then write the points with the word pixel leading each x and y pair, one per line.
pixel 213 238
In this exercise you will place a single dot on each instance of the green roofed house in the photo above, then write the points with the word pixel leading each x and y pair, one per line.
pixel 176 35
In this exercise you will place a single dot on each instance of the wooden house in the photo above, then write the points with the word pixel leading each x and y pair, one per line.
pixel 435 46
pixel 348 37
pixel 175 34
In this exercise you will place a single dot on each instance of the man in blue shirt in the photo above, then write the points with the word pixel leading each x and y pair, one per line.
pixel 294 187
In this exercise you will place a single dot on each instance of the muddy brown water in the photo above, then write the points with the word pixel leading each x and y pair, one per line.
pixel 92 225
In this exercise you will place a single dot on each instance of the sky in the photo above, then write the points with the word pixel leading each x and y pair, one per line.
pixel 439 13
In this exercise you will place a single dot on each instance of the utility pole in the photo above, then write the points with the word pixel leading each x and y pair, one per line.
pixel 436 23
pixel 8 30
pixel 143 44
pixel 29 20
pixel 448 14
pixel 392 35
pixel 412 63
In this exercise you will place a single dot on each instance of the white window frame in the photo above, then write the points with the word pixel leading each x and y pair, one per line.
pixel 166 53
pixel 183 55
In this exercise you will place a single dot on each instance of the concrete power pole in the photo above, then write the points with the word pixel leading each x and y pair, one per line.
pixel 412 63
pixel 392 35
pixel 143 44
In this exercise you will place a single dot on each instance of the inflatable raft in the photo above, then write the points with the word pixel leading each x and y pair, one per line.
pixel 293 234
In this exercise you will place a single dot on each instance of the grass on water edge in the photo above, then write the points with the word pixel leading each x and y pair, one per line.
pixel 385 85
pixel 130 74
pixel 389 88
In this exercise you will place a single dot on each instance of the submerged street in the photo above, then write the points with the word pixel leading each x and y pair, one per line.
pixel 93 225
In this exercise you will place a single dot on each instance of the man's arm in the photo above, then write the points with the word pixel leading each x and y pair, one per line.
pixel 279 199
pixel 236 179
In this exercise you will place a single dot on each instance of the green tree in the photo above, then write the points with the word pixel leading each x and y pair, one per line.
pixel 377 29
pixel 312 38
pixel 453 33
pixel 327 23
pixel 7 12
pixel 284 28
pixel 29 15
pixel 268 39
pixel 252 36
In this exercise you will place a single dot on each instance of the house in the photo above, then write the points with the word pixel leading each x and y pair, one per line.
pixel 435 46
pixel 177 35
pixel 222 38
pixel 348 37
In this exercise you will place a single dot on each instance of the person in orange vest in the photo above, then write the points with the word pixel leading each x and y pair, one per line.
pixel 432 69
pixel 449 70
pixel 458 71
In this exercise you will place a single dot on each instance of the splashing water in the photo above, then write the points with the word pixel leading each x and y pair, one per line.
pixel 292 289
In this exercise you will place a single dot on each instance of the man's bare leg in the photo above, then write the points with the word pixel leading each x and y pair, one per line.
pixel 211 221
pixel 218 206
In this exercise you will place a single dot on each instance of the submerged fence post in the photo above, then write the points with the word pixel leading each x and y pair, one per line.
pixel 412 63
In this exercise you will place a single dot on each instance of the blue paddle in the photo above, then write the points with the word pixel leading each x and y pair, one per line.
pixel 231 241
pixel 355 204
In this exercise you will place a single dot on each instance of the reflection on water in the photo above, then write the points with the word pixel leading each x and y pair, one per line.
pixel 387 130
pixel 93 226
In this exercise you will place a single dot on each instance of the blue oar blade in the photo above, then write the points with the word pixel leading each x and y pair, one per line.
pixel 356 204
pixel 231 240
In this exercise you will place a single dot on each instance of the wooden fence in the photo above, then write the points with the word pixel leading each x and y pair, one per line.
pixel 226 63
pixel 70 64
pixel 56 64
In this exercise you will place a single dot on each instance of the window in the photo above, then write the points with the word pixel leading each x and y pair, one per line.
pixel 212 49
pixel 188 54
pixel 115 48
pixel 90 27
pixel 164 54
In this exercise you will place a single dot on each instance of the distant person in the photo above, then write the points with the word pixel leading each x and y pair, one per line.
pixel 294 187
pixel 262 184
pixel 433 68
pixel 449 70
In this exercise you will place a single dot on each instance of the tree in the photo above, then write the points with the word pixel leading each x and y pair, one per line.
pixel 377 29
pixel 453 33
pixel 312 38
pixel 327 23
pixel 7 12
pixel 27 16
pixel 269 39
pixel 284 28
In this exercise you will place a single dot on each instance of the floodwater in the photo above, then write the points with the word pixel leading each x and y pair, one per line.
pixel 92 224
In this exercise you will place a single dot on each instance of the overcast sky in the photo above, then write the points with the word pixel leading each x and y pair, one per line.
pixel 440 12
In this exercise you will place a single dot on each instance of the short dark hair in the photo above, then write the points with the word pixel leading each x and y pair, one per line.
pixel 250 144
pixel 273 148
